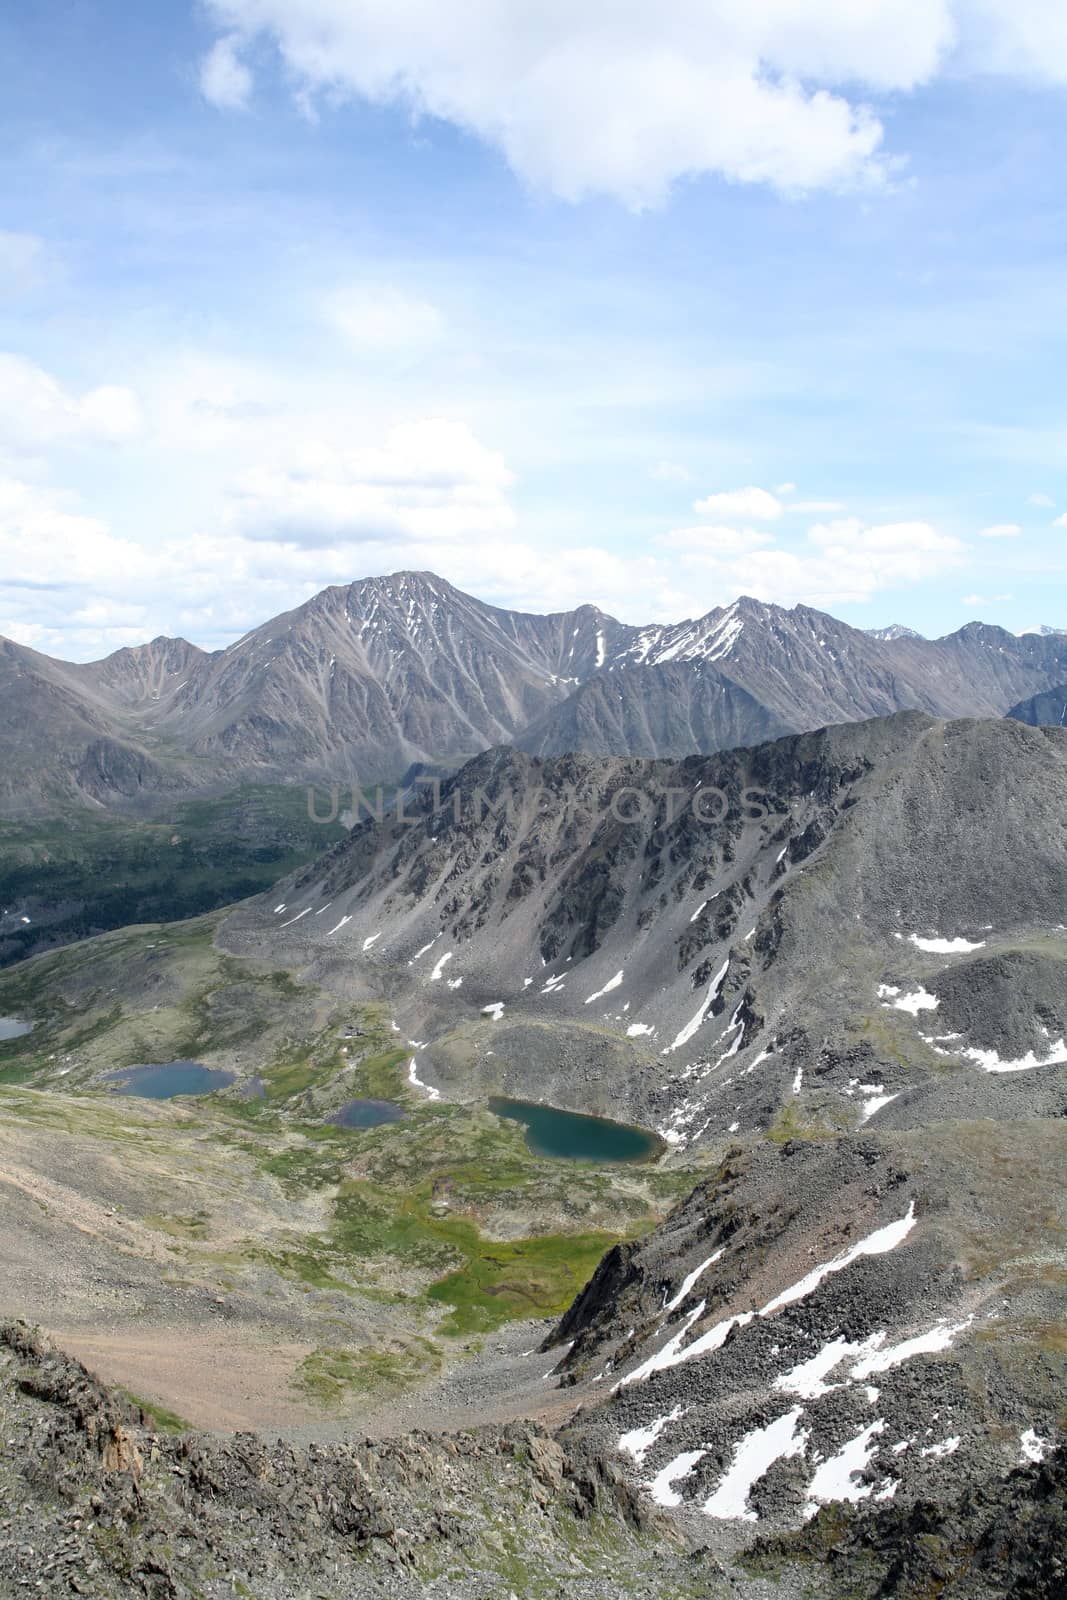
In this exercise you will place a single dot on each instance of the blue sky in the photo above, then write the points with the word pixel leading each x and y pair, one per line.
pixel 646 308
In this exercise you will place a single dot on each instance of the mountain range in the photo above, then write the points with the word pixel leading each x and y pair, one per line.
pixel 828 971
pixel 367 679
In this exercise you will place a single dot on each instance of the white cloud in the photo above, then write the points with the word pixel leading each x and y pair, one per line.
pixel 621 100
pixel 37 410
pixel 840 563
pixel 627 99
pixel 749 502
pixel 225 80
pixel 1044 500
pixel 429 480
pixel 377 318
pixel 291 489
pixel 985 599
pixel 1061 522
pixel 1002 530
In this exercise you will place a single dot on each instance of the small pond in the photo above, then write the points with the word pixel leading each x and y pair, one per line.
pixel 569 1136
pixel 367 1114
pixel 168 1080
pixel 12 1028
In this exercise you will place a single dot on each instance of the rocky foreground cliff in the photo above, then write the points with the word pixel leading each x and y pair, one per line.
pixel 96 1504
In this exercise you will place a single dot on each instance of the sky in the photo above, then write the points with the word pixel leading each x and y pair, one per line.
pixel 645 306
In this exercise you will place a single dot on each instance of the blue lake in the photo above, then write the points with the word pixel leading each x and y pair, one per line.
pixel 12 1028
pixel 569 1136
pixel 367 1114
pixel 169 1080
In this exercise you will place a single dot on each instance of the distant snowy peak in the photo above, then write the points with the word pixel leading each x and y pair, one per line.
pixel 1044 631
pixel 895 630
pixel 709 638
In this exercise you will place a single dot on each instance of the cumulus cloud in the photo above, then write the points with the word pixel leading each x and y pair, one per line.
pixel 291 498
pixel 377 318
pixel 1044 501
pixel 37 410
pixel 839 563
pixel 749 502
pixel 225 80
pixel 1061 522
pixel 1002 530
pixel 627 99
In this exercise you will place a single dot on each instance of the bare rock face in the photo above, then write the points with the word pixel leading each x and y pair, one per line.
pixel 369 678
pixel 95 1503
pixel 1048 710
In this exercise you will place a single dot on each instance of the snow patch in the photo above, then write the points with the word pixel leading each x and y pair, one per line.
pixel 878 1243
pixel 660 1487
pixel 945 947
pixel 709 999
pixel 947 1447
pixel 612 983
pixel 808 1378
pixel 755 1455
pixel 639 1441
pixel 836 1478
pixel 989 1061
pixel 918 1000
pixel 1032 1447
pixel 417 1083
pixel 930 1343
pixel 691 1278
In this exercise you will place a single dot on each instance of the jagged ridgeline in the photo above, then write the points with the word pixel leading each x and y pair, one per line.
pixel 167 780
pixel 367 678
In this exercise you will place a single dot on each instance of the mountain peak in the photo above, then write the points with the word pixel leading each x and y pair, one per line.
pixel 894 630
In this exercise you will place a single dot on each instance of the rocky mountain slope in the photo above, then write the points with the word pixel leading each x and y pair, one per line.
pixel 674 916
pixel 61 739
pixel 836 966
pixel 98 1503
pixel 1048 710
pixel 366 679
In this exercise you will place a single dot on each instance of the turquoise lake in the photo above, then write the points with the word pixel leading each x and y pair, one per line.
pixel 569 1136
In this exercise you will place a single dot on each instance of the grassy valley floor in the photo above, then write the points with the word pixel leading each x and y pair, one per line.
pixel 241 1261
